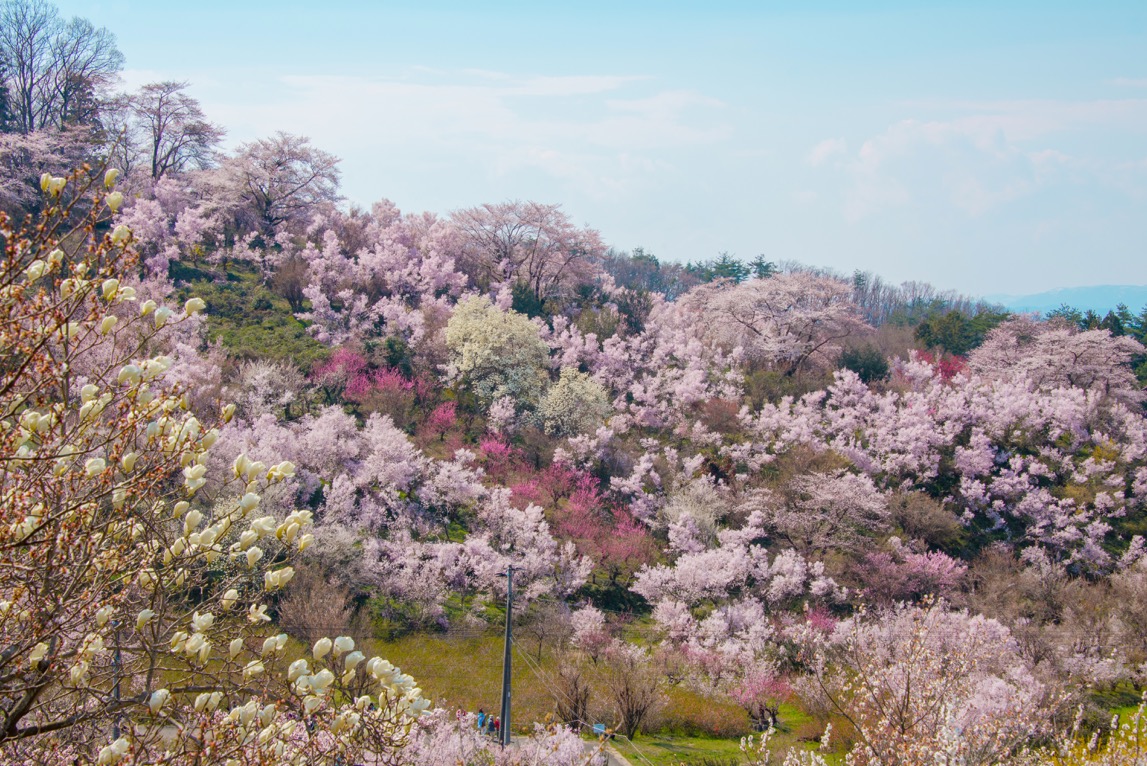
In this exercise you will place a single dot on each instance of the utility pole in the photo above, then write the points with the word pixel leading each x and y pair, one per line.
pixel 504 731
pixel 115 689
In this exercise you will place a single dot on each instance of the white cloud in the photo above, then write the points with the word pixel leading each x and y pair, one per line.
pixel 826 150
pixel 601 134
pixel 993 155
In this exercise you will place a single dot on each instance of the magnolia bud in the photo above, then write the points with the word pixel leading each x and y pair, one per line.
pixel 121 234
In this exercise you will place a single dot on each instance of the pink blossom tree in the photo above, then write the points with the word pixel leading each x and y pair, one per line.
pixel 1056 354
pixel 786 321
pixel 528 243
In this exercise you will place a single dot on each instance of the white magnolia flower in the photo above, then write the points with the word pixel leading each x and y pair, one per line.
pixel 343 644
pixel 113 753
pixel 297 669
pixel 352 660
pixel 39 651
pixel 35 270
pixel 278 578
pixel 143 618
pixel 258 613
pixel 322 680
pixel 128 375
pixel 157 700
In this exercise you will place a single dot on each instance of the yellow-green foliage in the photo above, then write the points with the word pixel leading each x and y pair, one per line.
pixel 466 673
pixel 690 713
pixel 576 404
pixel 1124 744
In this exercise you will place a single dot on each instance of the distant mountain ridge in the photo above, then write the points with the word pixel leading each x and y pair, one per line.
pixel 1098 298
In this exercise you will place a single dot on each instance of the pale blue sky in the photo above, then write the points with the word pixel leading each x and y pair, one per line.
pixel 991 147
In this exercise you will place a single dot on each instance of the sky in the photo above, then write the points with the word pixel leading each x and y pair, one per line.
pixel 987 147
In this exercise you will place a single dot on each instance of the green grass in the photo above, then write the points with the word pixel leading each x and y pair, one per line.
pixel 671 750
pixel 252 321
pixel 466 673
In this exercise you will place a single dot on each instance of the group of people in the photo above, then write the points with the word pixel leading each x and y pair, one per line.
pixel 490 724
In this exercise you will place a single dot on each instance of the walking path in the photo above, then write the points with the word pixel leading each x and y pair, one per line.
pixel 615 758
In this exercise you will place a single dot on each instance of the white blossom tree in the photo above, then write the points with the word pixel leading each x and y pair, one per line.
pixel 496 353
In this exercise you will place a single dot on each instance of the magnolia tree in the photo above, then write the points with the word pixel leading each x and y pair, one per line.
pixel 133 600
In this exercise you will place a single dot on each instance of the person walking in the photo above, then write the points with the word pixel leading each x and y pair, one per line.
pixel 481 719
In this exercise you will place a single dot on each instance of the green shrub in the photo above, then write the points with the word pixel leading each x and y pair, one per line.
pixel 866 362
